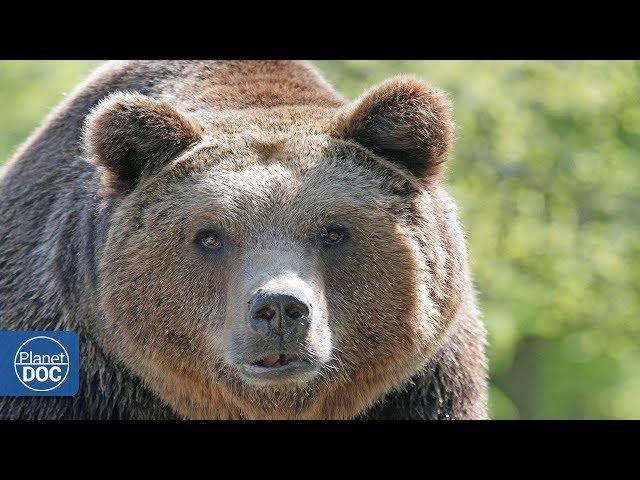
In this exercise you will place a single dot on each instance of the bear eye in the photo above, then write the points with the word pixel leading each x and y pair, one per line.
pixel 208 240
pixel 335 235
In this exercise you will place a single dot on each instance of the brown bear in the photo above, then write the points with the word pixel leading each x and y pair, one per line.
pixel 235 240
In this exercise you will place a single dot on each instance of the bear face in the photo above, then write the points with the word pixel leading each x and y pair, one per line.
pixel 284 267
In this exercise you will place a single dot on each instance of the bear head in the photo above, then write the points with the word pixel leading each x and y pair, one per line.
pixel 295 262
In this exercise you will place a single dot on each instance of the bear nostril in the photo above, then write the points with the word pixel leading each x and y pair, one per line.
pixel 266 312
pixel 295 311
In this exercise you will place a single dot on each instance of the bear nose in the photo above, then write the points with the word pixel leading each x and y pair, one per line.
pixel 277 314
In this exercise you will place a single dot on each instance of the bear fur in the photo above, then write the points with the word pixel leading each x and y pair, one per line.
pixel 95 208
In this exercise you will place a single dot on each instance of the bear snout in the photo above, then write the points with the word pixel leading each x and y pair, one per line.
pixel 284 316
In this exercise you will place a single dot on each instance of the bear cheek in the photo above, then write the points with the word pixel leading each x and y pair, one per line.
pixel 373 312
pixel 174 315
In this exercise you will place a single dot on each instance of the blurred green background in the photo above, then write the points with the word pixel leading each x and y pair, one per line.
pixel 546 174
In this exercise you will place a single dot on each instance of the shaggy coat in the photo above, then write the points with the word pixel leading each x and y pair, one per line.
pixel 99 207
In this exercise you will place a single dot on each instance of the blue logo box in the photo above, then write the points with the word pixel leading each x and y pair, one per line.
pixel 39 364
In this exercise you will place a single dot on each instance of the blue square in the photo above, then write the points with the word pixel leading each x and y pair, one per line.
pixel 39 364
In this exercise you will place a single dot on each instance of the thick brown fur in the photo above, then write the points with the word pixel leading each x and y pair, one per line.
pixel 404 121
pixel 152 130
pixel 99 208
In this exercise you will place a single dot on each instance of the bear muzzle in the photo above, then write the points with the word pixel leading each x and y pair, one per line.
pixel 279 323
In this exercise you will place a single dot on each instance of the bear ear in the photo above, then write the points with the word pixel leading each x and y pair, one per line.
pixel 133 135
pixel 405 121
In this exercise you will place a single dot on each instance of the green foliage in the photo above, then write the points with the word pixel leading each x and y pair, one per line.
pixel 546 176
pixel 28 91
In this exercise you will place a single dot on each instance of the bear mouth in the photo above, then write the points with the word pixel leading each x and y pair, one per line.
pixel 276 360
pixel 276 366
